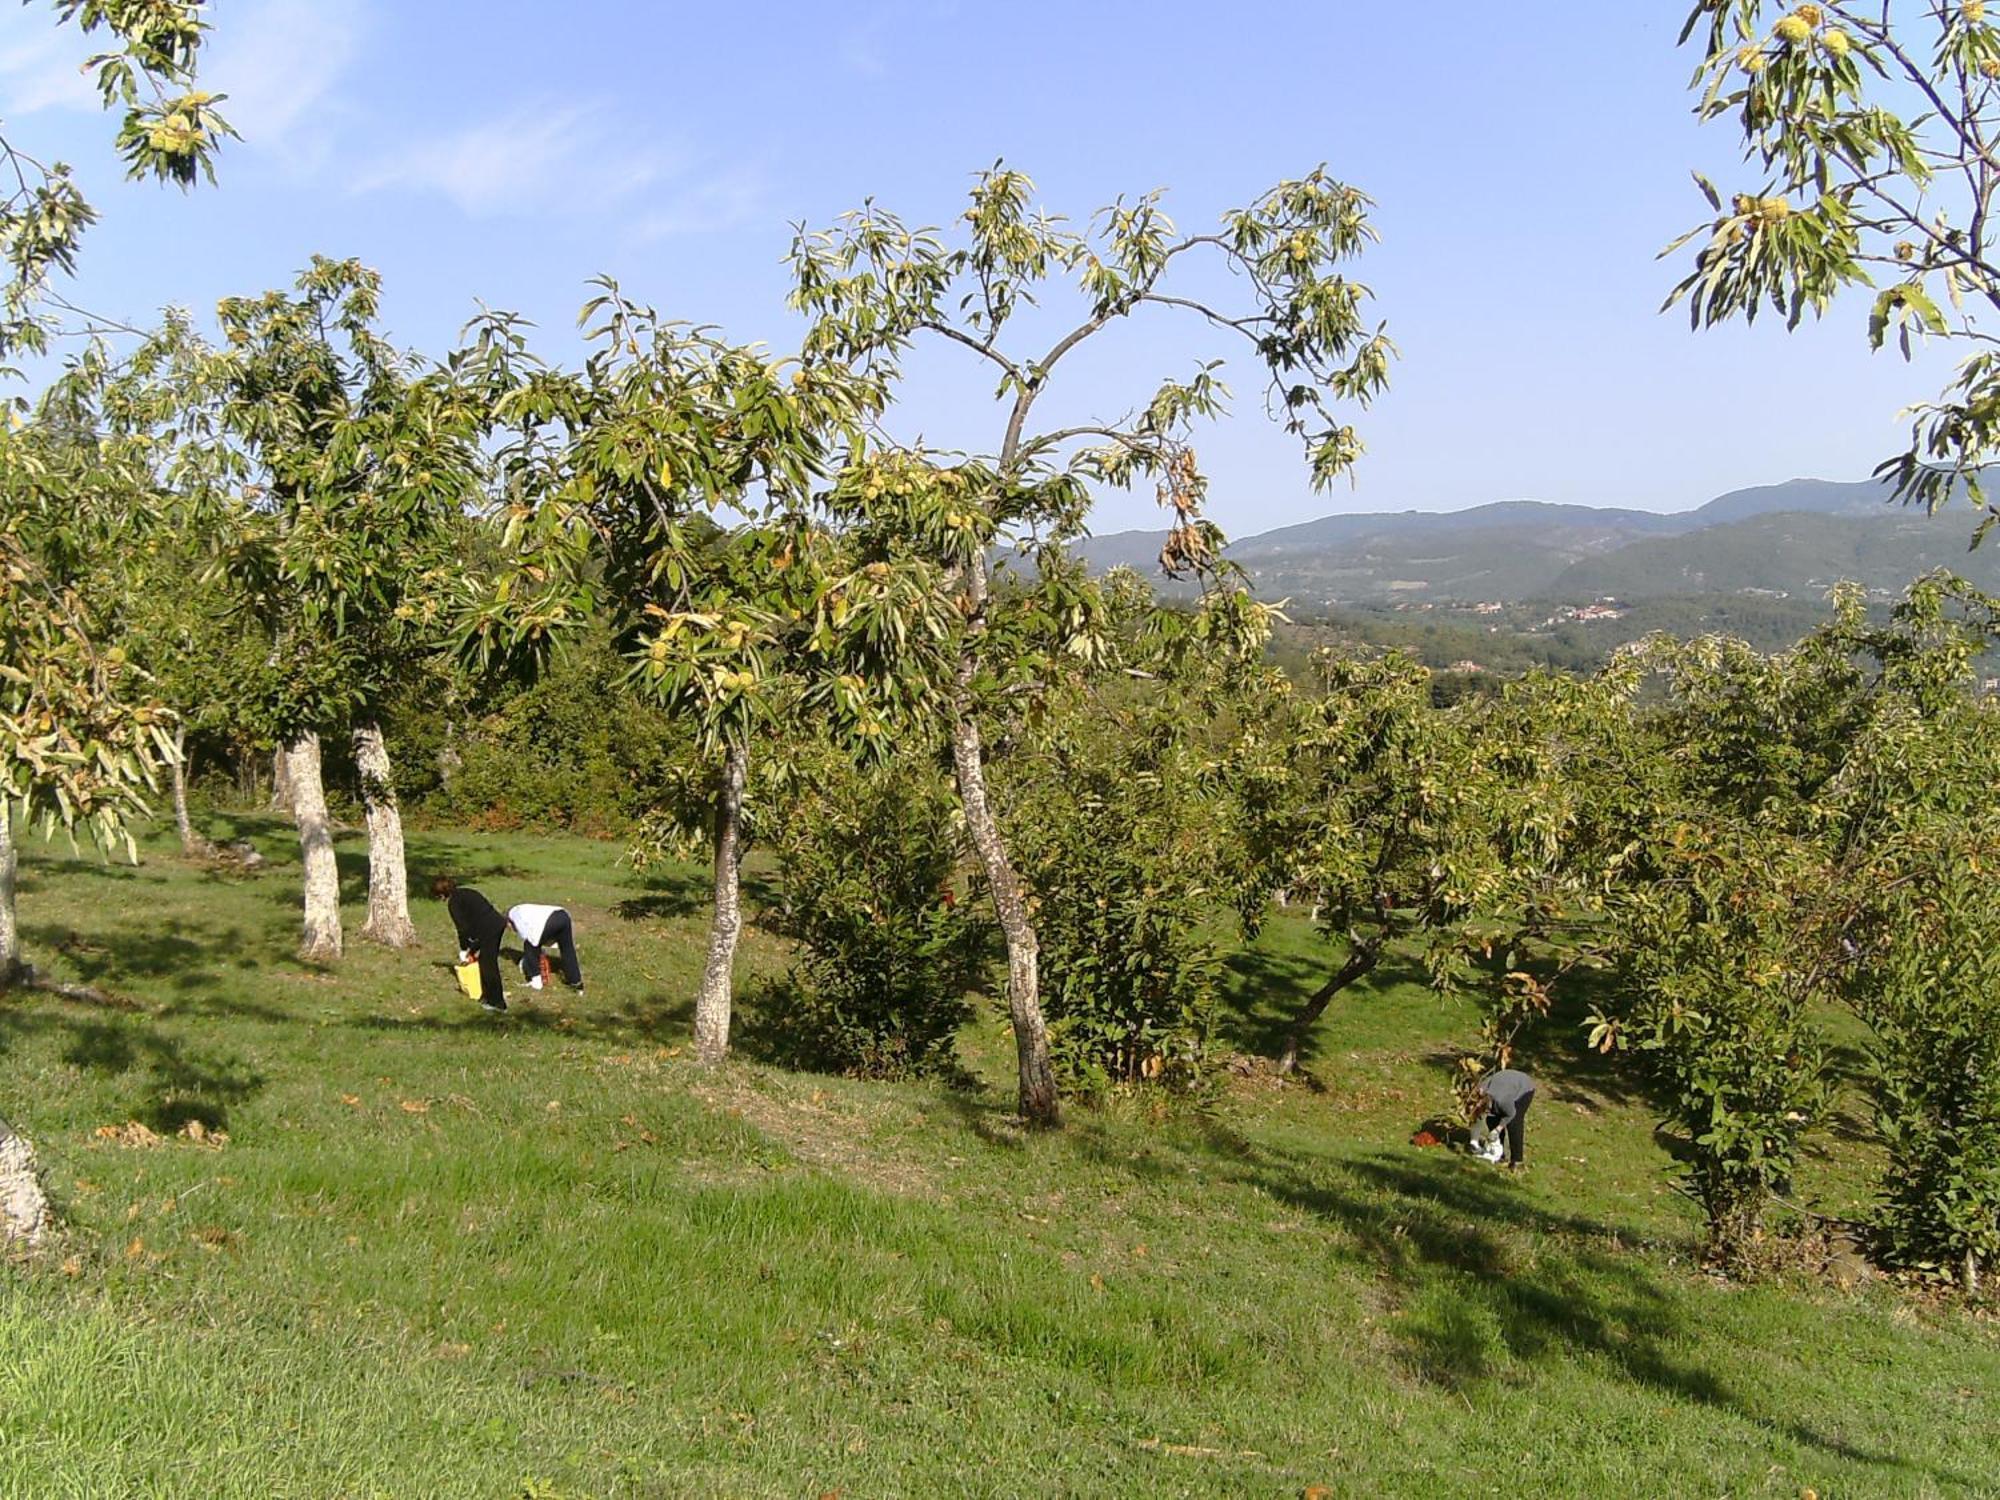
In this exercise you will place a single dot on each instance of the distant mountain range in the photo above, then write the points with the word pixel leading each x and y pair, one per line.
pixel 1780 540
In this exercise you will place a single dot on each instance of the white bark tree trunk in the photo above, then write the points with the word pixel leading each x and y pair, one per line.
pixel 10 933
pixel 1010 901
pixel 24 1211
pixel 712 1005
pixel 192 843
pixel 321 939
pixel 388 875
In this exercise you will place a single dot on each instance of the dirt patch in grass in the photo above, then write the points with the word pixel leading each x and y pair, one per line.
pixel 818 1131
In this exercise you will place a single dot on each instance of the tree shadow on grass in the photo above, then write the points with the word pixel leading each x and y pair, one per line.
pixel 176 1083
pixel 675 894
pixel 1466 1306
pixel 69 867
pixel 1262 995
pixel 148 960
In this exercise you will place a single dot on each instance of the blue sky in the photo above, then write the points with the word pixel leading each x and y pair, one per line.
pixel 1528 162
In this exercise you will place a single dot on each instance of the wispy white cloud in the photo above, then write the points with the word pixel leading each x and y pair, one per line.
pixel 555 158
pixel 722 201
pixel 281 63
pixel 869 46
pixel 41 63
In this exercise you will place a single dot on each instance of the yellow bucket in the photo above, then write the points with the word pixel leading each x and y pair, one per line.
pixel 468 978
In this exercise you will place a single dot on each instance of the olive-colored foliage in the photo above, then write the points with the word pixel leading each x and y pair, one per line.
pixel 82 731
pixel 81 739
pixel 868 868
pixel 365 464
pixel 1362 801
pixel 1867 128
pixel 617 477
pixel 1553 753
pixel 1732 957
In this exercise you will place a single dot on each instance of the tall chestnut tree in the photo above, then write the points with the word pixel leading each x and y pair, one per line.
pixel 874 288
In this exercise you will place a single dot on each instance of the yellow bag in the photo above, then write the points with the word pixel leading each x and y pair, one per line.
pixel 468 978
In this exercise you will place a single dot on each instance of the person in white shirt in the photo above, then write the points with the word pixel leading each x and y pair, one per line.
pixel 545 927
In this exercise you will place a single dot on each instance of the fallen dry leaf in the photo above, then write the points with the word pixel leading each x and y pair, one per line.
pixel 73 1266
pixel 131 1133
pixel 416 1106
pixel 350 1100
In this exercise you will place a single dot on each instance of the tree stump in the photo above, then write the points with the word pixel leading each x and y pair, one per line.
pixel 24 1210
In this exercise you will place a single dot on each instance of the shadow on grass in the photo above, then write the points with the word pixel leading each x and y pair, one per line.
pixel 651 1020
pixel 1262 995
pixel 674 894
pixel 151 961
pixel 175 1082
pixel 1479 1281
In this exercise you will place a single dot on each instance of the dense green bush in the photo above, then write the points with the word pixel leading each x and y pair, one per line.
pixel 1724 948
pixel 1115 842
pixel 887 948
pixel 1932 996
pixel 570 750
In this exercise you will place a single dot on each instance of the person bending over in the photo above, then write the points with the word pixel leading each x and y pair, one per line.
pixel 480 928
pixel 545 927
pixel 1507 1095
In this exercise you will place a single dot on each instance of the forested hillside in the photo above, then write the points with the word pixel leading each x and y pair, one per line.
pixel 1788 540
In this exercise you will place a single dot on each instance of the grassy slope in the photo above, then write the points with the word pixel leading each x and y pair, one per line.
pixel 450 1254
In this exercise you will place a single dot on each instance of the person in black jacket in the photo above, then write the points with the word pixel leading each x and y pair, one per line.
pixel 480 928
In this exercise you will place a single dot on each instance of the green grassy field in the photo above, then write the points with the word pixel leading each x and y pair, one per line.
pixel 443 1253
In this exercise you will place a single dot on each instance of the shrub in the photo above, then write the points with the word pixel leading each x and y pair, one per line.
pixel 888 951
pixel 572 750
pixel 1115 843
pixel 1931 992
pixel 1725 949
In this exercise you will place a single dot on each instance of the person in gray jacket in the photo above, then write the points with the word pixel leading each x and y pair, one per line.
pixel 1507 1095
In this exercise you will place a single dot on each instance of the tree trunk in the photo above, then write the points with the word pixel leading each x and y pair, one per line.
pixel 388 876
pixel 711 1006
pixel 1735 1223
pixel 1359 962
pixel 10 933
pixel 1010 901
pixel 320 942
pixel 281 781
pixel 24 1211
pixel 192 843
